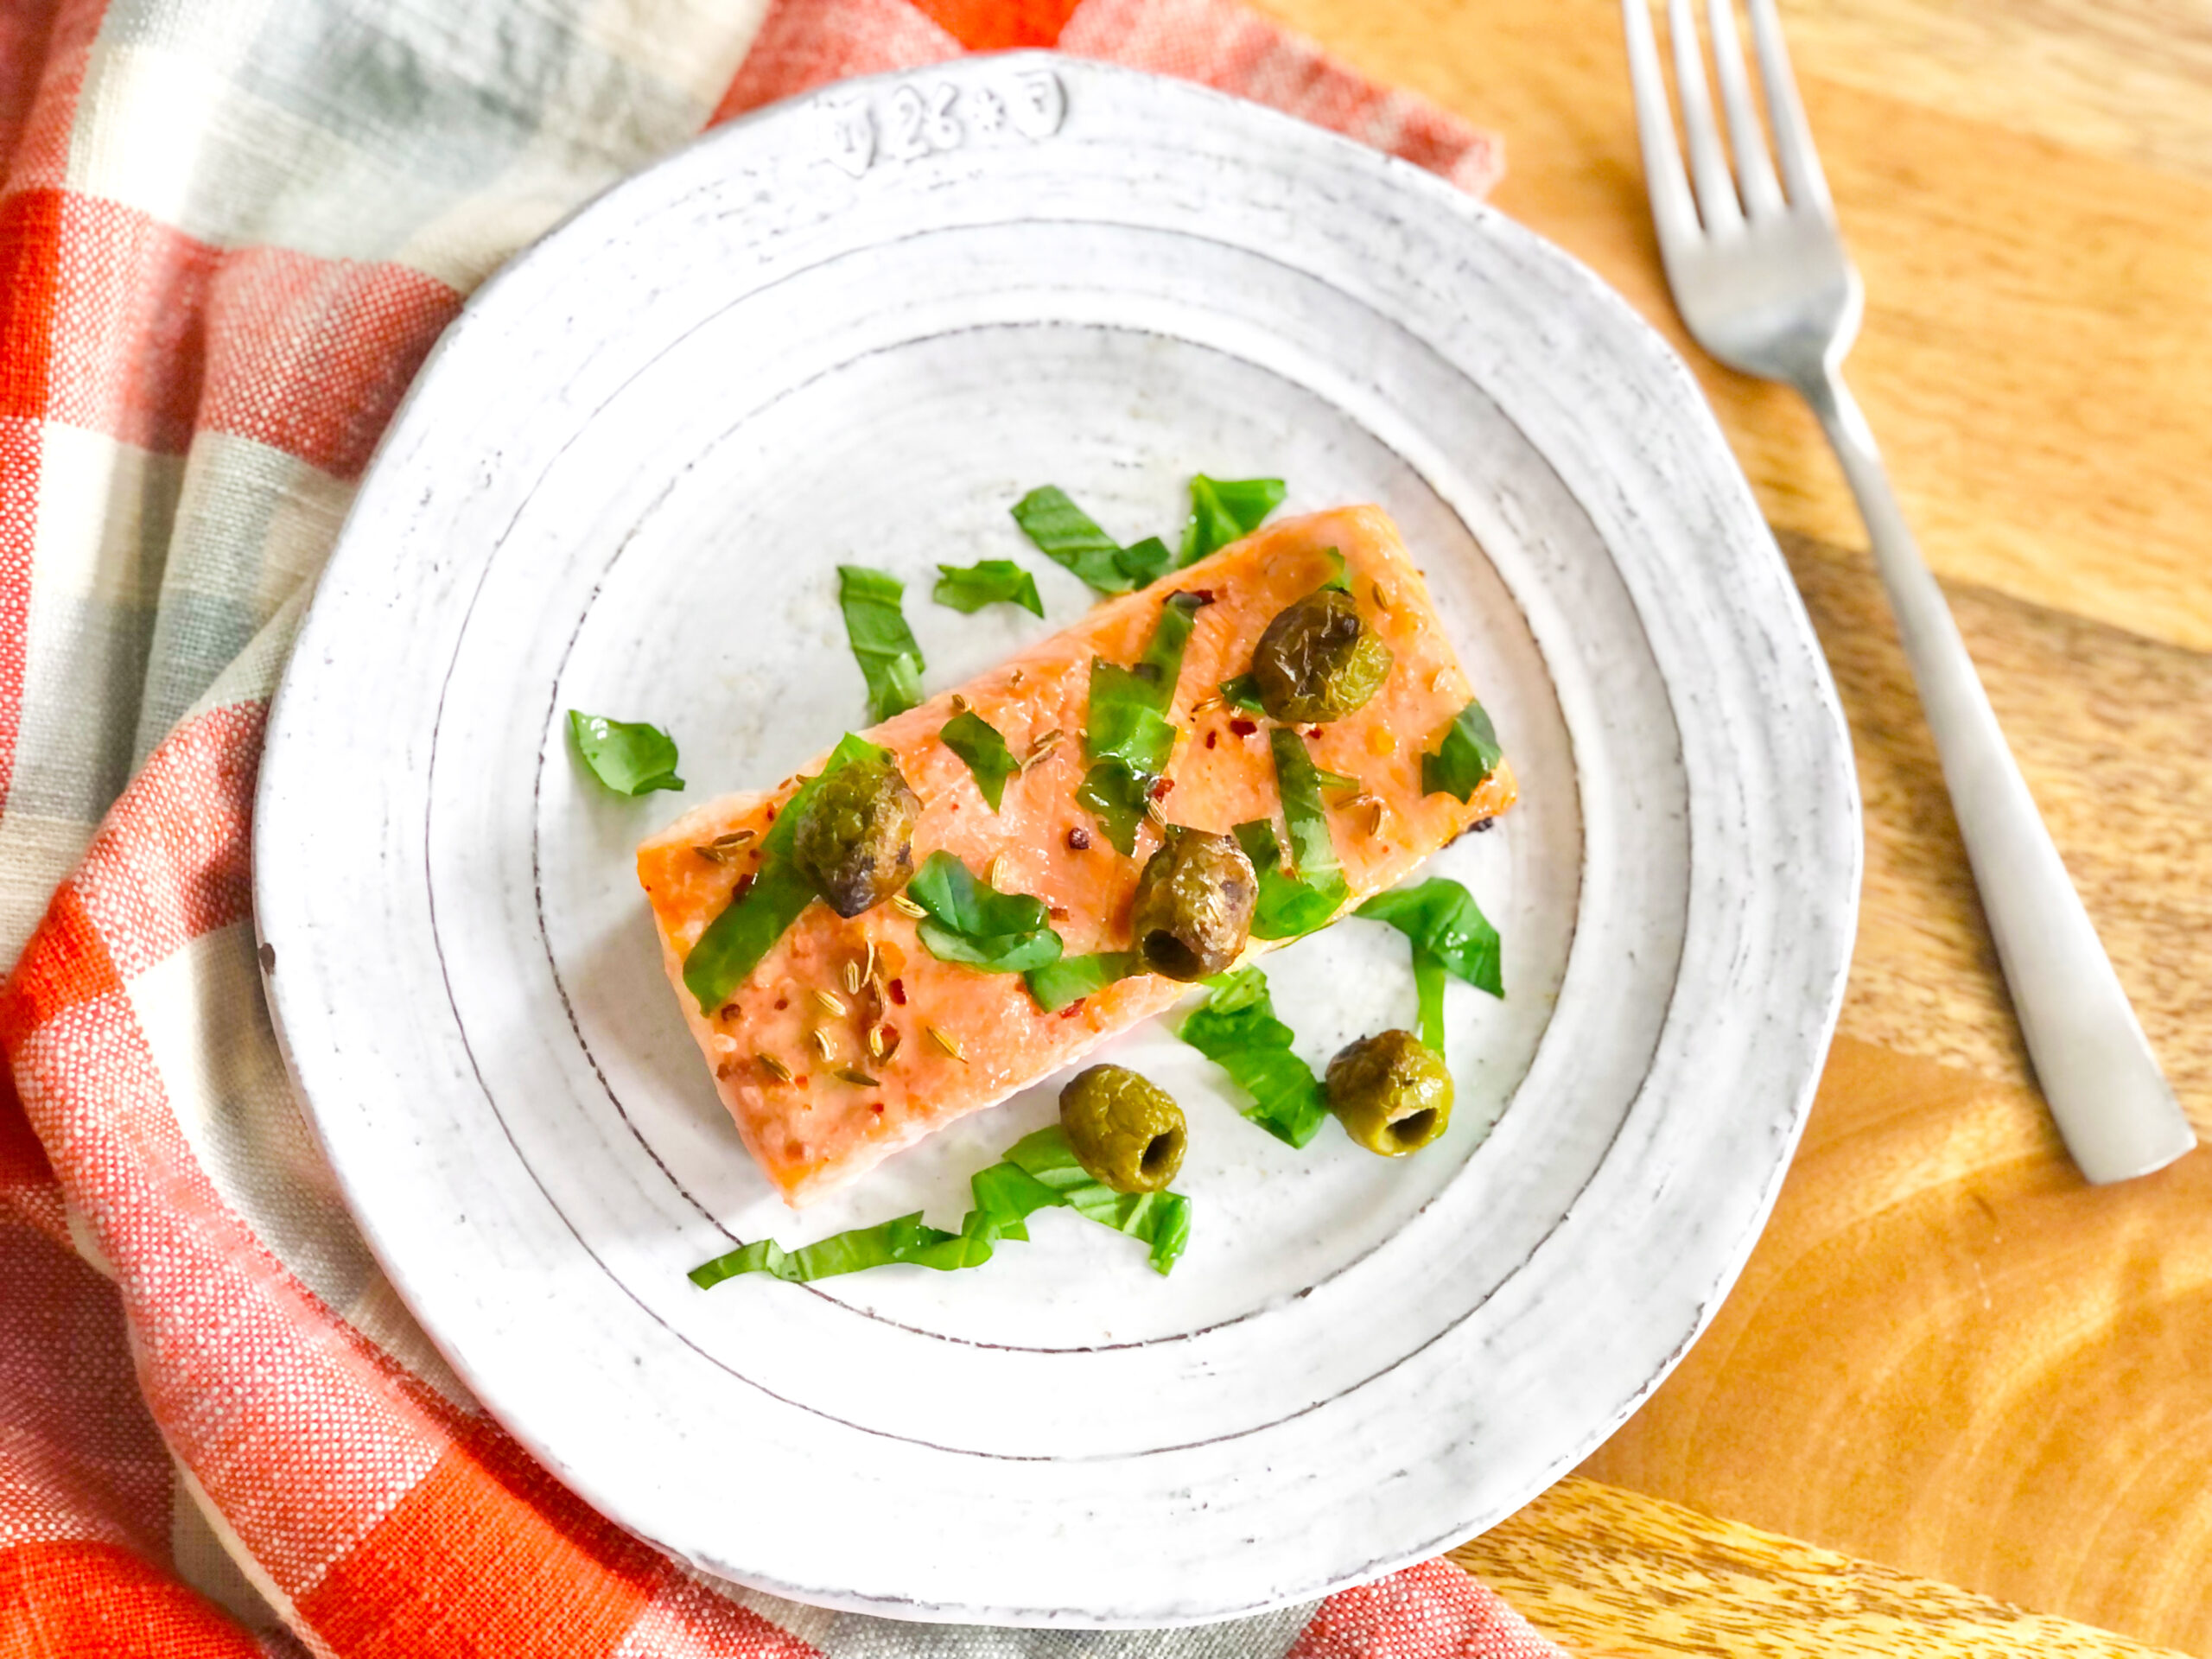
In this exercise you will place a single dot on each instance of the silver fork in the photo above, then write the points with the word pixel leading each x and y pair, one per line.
pixel 1759 273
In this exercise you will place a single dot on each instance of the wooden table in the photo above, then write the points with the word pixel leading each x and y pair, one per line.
pixel 1947 1355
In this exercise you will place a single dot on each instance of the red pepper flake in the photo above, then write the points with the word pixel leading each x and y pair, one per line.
pixel 782 1003
pixel 876 1106
pixel 1160 788
pixel 1072 1009
pixel 743 886
pixel 799 1083
pixel 898 989
pixel 1213 738
pixel 1057 912
pixel 1311 731
pixel 771 818
pixel 1203 595
pixel 1079 840
pixel 727 1011
pixel 1243 727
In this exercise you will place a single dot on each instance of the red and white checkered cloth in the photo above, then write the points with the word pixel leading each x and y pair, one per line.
pixel 230 231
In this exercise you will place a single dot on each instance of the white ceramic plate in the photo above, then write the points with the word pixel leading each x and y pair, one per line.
pixel 858 327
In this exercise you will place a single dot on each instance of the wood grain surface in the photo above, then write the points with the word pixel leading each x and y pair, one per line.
pixel 1949 1356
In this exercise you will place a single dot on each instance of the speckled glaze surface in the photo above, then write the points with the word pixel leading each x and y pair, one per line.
pixel 855 328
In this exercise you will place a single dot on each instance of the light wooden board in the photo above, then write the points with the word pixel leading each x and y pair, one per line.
pixel 1947 1355
pixel 2038 314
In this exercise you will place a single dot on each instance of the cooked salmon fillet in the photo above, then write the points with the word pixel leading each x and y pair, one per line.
pixel 964 1039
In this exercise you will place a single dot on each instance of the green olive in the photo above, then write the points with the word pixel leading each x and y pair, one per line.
pixel 1125 1129
pixel 1317 661
pixel 855 836
pixel 1194 909
pixel 1392 1094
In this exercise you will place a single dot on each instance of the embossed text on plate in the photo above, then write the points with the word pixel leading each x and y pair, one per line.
pixel 925 116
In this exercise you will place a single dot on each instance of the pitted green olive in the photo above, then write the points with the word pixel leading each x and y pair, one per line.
pixel 1193 910
pixel 1318 661
pixel 856 838
pixel 1126 1130
pixel 1392 1095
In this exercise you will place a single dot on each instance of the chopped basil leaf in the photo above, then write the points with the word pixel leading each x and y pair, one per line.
pixel 629 757
pixel 735 941
pixel 1128 738
pixel 1313 854
pixel 974 922
pixel 1073 978
pixel 1339 578
pixel 1145 561
pixel 1115 797
pixel 1068 535
pixel 975 741
pixel 1128 720
pixel 1236 1029
pixel 1465 756
pixel 1428 988
pixel 906 1239
pixel 1243 692
pixel 1286 907
pixel 969 587
pixel 1039 1172
pixel 1223 510
pixel 1162 1220
pixel 882 644
pixel 1442 919
pixel 1329 779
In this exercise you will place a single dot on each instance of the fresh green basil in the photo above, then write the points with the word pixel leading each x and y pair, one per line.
pixel 1286 907
pixel 1039 1172
pixel 1464 757
pixel 1145 561
pixel 1429 994
pixel 1441 918
pixel 1243 692
pixel 976 741
pixel 882 644
pixel 969 587
pixel 1236 1028
pixel 1450 935
pixel 1224 510
pixel 735 941
pixel 1073 978
pixel 1162 1220
pixel 1115 797
pixel 630 757
pixel 1128 739
pixel 1313 854
pixel 1069 537
pixel 973 923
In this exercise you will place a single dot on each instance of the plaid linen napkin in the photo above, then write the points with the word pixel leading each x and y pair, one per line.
pixel 230 231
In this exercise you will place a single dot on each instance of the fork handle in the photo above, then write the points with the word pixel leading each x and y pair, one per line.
pixel 2112 1105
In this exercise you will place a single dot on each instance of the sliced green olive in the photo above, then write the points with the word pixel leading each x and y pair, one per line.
pixel 1392 1095
pixel 1318 661
pixel 1193 910
pixel 855 841
pixel 1126 1130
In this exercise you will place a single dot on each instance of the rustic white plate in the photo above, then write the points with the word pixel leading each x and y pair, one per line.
pixel 858 327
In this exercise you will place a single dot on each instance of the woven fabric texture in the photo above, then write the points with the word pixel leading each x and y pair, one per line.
pixel 230 232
